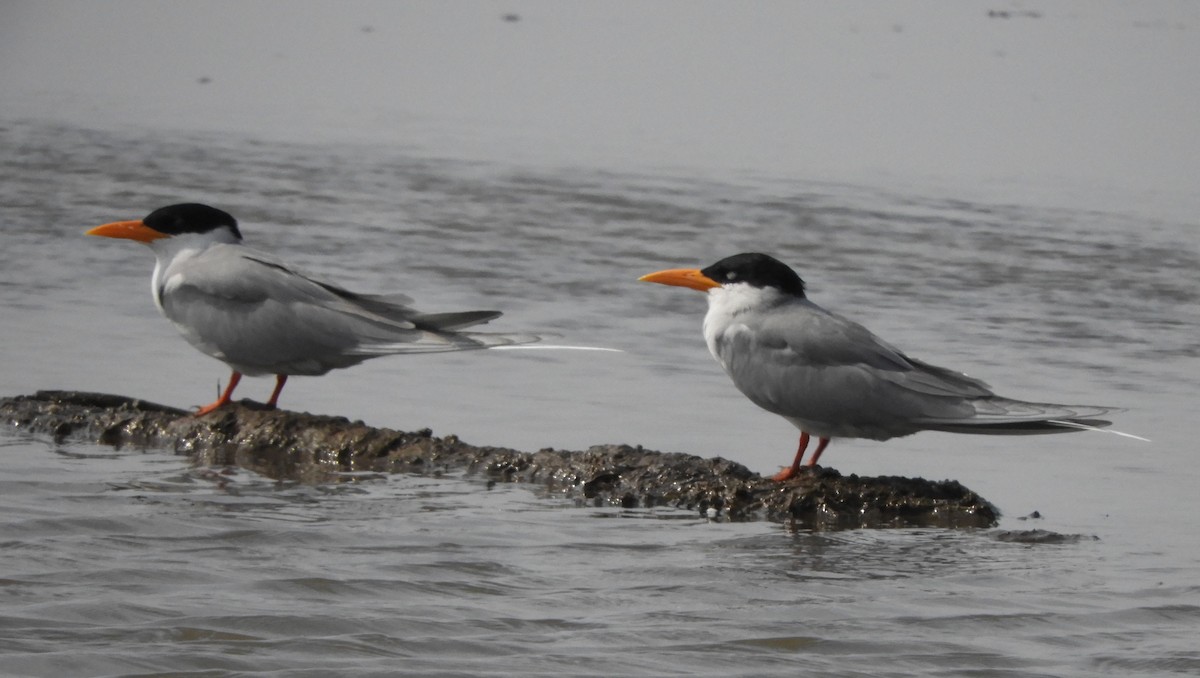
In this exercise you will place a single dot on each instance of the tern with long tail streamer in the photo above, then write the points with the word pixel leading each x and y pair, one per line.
pixel 256 314
pixel 833 378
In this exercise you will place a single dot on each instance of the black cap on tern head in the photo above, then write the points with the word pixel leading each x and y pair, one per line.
pixel 190 217
pixel 758 270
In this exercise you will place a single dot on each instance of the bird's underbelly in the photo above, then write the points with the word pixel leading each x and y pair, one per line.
pixel 264 357
pixel 838 402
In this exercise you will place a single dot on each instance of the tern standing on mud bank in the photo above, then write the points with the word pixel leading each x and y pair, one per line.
pixel 253 312
pixel 833 378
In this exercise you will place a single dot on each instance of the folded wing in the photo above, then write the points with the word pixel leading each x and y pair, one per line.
pixel 252 311
pixel 833 377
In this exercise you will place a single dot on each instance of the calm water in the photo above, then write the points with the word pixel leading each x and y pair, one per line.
pixel 136 563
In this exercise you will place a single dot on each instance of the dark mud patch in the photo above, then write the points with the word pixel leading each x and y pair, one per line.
pixel 314 448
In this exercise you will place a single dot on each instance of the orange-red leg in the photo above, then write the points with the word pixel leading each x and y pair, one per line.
pixel 791 471
pixel 225 396
pixel 821 445
pixel 280 380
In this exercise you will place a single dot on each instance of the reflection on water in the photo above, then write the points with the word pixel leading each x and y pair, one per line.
pixel 125 562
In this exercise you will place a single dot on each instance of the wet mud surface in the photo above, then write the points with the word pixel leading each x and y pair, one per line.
pixel 313 448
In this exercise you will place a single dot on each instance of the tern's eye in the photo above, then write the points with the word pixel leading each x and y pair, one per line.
pixel 731 275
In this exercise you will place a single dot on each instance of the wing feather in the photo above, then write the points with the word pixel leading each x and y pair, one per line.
pixel 832 376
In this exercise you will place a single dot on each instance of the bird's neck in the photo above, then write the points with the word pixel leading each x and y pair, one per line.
pixel 171 253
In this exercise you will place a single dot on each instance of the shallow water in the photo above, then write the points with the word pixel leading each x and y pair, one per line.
pixel 135 563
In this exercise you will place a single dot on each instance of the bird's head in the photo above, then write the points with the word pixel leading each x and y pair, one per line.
pixel 750 269
pixel 175 220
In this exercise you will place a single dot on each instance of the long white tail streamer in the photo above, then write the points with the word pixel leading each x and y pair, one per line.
pixel 1085 427
pixel 552 347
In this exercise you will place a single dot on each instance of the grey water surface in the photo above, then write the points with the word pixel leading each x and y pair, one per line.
pixel 134 562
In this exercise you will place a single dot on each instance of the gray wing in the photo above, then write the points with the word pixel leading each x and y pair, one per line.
pixel 829 374
pixel 255 313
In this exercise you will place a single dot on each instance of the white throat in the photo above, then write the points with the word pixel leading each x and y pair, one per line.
pixel 727 303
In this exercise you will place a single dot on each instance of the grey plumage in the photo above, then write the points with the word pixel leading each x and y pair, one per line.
pixel 832 378
pixel 253 312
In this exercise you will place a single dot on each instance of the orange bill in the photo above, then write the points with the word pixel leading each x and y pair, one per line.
pixel 691 278
pixel 129 230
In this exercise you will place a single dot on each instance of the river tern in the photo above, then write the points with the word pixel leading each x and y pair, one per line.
pixel 259 316
pixel 832 378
